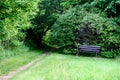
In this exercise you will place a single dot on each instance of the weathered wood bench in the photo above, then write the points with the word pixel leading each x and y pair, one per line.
pixel 89 49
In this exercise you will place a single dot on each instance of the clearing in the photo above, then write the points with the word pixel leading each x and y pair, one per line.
pixel 57 66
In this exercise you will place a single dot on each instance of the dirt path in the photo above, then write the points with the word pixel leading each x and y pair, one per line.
pixel 13 73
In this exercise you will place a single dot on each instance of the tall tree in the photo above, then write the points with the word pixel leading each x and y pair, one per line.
pixel 49 11
pixel 15 16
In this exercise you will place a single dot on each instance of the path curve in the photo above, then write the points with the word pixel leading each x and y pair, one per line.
pixel 13 73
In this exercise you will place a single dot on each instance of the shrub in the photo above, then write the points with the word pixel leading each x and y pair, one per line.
pixel 109 54
pixel 78 26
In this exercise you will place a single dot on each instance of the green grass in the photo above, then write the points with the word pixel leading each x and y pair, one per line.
pixel 11 60
pixel 66 67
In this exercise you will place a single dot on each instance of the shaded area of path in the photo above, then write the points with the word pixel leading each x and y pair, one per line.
pixel 13 73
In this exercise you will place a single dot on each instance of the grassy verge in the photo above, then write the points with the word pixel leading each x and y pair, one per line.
pixel 11 60
pixel 67 67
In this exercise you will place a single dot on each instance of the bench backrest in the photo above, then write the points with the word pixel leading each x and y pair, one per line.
pixel 89 48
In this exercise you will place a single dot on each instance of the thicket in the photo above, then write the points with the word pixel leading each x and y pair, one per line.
pixel 15 16
pixel 87 25
pixel 61 23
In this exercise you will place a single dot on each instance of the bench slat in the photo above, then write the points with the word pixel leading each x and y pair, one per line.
pixel 89 52
pixel 89 49
pixel 89 46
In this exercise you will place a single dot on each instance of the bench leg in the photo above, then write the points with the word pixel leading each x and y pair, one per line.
pixel 77 54
pixel 96 54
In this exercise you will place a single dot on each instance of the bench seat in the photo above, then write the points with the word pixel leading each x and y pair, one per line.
pixel 89 49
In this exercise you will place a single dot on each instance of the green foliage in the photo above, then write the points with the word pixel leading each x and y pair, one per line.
pixel 49 11
pixel 104 31
pixel 117 20
pixel 80 26
pixel 109 54
pixel 14 18
pixel 69 50
pixel 62 23
pixel 62 30
pixel 66 4
pixel 111 7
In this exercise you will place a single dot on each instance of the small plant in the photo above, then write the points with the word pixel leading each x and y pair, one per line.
pixel 109 54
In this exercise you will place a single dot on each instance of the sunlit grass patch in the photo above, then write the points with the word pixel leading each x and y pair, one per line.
pixel 16 58
pixel 67 67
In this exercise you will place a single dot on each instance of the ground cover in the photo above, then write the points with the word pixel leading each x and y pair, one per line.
pixel 67 67
pixel 17 58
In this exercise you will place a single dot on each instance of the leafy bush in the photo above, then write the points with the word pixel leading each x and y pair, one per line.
pixel 108 54
pixel 78 26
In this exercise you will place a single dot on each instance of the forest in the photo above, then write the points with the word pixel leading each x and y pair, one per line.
pixel 36 26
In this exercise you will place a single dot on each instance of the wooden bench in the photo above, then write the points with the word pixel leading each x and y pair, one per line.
pixel 89 49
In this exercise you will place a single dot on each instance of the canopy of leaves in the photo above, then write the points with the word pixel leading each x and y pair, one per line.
pixel 49 11
pixel 111 7
pixel 15 17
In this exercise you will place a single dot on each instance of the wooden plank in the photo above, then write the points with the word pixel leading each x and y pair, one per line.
pixel 89 49
pixel 89 46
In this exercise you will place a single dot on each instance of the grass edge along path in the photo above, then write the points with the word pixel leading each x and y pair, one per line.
pixel 57 66
pixel 13 73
